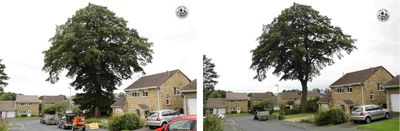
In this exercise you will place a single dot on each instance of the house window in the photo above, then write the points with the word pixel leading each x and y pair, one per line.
pixel 167 100
pixel 135 93
pixel 380 87
pixel 340 90
pixel 176 91
pixel 349 89
pixel 145 93
pixel 371 97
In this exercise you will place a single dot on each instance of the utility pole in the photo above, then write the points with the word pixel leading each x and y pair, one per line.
pixel 70 98
pixel 277 94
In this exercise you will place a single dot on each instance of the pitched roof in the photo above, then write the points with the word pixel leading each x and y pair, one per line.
pixel 27 98
pixel 290 95
pixel 7 106
pixel 52 99
pixel 216 103
pixel 356 77
pixel 394 82
pixel 236 96
pixel 260 96
pixel 325 99
pixel 119 103
pixel 153 80
pixel 191 87
pixel 313 94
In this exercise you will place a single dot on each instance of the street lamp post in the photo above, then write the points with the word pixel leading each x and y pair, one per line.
pixel 70 98
pixel 277 93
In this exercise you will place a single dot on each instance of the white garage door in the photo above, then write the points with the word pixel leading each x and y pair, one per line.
pixel 394 102
pixel 192 105
pixel 11 114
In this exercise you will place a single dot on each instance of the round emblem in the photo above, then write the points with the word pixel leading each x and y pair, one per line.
pixel 181 12
pixel 383 15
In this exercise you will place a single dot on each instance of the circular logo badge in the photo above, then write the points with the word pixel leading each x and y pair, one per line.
pixel 383 15
pixel 181 12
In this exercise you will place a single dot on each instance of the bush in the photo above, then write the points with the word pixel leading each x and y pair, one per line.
pixel 213 123
pixel 128 121
pixel 281 115
pixel 233 112
pixel 291 111
pixel 4 126
pixel 332 116
pixel 266 104
pixel 312 105
pixel 24 115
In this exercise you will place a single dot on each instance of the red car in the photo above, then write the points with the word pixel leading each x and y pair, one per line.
pixel 186 123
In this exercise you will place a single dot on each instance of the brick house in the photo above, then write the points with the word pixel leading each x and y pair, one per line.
pixel 392 94
pixel 27 105
pixel 286 96
pixel 156 92
pixel 360 88
pixel 118 106
pixel 237 102
pixel 190 98
pixel 325 102
pixel 215 106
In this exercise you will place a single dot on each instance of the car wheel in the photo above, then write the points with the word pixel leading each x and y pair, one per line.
pixel 151 127
pixel 163 124
pixel 387 115
pixel 368 120
pixel 83 129
pixel 355 122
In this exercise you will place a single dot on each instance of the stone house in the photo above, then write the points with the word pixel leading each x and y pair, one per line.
pixel 360 88
pixel 325 102
pixel 27 105
pixel 118 106
pixel 237 102
pixel 156 92
pixel 190 98
pixel 392 94
pixel 286 96
pixel 7 109
pixel 50 100
pixel 215 106
pixel 258 97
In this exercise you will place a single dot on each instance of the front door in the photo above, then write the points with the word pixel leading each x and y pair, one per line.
pixel 238 109
pixel 29 113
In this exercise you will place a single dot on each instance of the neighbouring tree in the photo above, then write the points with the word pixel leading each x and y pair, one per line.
pixel 215 94
pixel 88 103
pixel 266 104
pixel 297 45
pixel 59 107
pixel 3 77
pixel 209 77
pixel 317 89
pixel 98 51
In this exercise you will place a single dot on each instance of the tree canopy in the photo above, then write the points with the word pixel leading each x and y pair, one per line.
pixel 209 77
pixel 98 51
pixel 3 77
pixel 297 45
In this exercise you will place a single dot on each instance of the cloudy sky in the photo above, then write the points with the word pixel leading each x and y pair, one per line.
pixel 26 27
pixel 230 29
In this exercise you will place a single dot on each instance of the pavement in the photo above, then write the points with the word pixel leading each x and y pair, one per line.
pixel 35 125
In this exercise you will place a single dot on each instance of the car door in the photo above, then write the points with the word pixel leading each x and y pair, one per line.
pixel 166 116
pixel 380 112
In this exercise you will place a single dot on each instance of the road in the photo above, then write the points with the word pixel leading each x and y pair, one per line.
pixel 246 123
pixel 34 125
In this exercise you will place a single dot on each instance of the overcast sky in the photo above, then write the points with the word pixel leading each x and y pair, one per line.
pixel 225 31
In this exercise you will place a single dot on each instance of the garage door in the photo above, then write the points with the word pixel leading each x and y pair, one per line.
pixel 192 102
pixel 394 102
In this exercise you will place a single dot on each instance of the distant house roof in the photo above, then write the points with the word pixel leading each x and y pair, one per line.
pixel 154 80
pixel 27 98
pixel 290 95
pixel 260 96
pixel 119 103
pixel 237 96
pixel 325 99
pixel 52 99
pixel 313 94
pixel 191 87
pixel 7 106
pixel 356 77
pixel 393 83
pixel 216 103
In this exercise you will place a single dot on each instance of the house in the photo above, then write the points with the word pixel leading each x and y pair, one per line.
pixel 51 99
pixel 27 105
pixel 190 98
pixel 313 95
pixel 257 97
pixel 118 106
pixel 237 102
pixel 325 102
pixel 360 88
pixel 156 92
pixel 216 106
pixel 286 96
pixel 7 109
pixel 392 94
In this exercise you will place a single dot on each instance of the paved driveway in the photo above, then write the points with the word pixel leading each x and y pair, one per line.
pixel 34 125
pixel 246 123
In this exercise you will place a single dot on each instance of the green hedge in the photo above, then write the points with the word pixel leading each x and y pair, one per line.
pixel 128 121
pixel 213 123
pixel 291 111
pixel 332 116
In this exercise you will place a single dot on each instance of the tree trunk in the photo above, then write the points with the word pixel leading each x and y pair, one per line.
pixel 97 111
pixel 303 103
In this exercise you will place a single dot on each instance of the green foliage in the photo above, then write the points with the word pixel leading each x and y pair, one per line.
pixel 209 77
pixel 290 102
pixel 213 123
pixel 266 104
pixel 291 111
pixel 3 77
pixel 332 116
pixel 215 94
pixel 312 105
pixel 59 107
pixel 98 51
pixel 297 45
pixel 128 121
pixel 7 96
pixel 281 115
pixel 386 125
pixel 87 102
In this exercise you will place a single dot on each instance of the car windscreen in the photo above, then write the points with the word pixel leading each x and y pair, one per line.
pixel 182 125
pixel 153 114
pixel 358 109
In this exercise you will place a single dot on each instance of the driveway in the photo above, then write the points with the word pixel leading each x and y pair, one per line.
pixel 34 125
pixel 246 123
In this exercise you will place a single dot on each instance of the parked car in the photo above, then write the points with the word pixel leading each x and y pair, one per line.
pixel 261 115
pixel 78 123
pixel 367 113
pixel 220 115
pixel 49 119
pixel 160 118
pixel 186 123
pixel 66 121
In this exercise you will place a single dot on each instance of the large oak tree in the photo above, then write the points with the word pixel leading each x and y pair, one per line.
pixel 3 77
pixel 98 51
pixel 209 77
pixel 297 45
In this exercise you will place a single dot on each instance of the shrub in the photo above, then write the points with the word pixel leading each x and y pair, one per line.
pixel 213 123
pixel 266 104
pixel 332 116
pixel 233 112
pixel 291 111
pixel 312 105
pixel 128 121
pixel 4 126
pixel 24 115
pixel 281 115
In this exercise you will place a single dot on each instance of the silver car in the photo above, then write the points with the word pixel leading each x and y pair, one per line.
pixel 368 113
pixel 162 117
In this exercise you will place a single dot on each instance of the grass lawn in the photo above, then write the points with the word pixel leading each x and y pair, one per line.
pixel 27 118
pixel 300 115
pixel 385 125
pixel 238 114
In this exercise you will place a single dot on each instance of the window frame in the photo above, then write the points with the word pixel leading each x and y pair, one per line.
pixel 145 93
pixel 349 89
pixel 168 101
